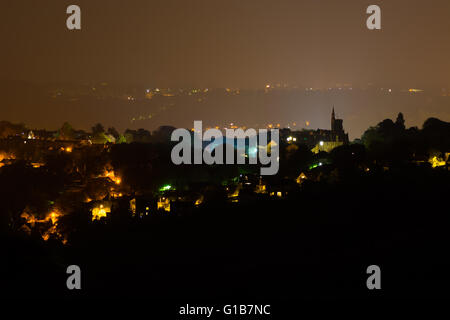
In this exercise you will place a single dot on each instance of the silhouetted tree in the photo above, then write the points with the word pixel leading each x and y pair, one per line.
pixel 98 129
pixel 8 129
pixel 66 132
pixel 113 132
pixel 400 122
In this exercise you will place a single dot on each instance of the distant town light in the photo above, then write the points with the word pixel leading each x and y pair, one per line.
pixel 100 212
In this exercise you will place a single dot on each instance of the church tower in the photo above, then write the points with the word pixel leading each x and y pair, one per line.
pixel 337 129
pixel 333 121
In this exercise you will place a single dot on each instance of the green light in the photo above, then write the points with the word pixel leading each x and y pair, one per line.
pixel 166 187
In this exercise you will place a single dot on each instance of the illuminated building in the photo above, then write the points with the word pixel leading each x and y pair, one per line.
pixel 101 211
pixel 301 178
pixel 260 187
pixel 112 176
pixel 164 204
pixel 278 194
pixel 133 206
pixel 437 162
pixel 48 226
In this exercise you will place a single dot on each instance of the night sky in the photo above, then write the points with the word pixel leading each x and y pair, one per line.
pixel 218 44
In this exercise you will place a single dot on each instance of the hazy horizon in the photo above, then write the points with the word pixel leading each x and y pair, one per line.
pixel 233 44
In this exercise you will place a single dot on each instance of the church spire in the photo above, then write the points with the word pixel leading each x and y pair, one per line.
pixel 333 119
